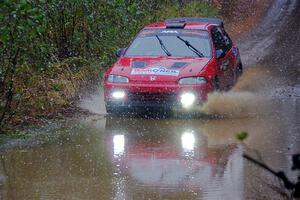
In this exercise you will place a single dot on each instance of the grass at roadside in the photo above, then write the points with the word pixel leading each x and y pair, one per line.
pixel 56 87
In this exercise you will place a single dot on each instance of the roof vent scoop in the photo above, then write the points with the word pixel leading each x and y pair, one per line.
pixel 175 25
pixel 217 21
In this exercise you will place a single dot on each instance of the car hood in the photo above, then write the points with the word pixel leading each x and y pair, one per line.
pixel 158 69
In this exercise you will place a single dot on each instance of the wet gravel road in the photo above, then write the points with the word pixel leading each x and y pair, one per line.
pixel 98 157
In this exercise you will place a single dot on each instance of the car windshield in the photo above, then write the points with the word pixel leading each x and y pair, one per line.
pixel 171 42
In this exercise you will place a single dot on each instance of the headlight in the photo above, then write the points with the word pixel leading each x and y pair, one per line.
pixel 187 99
pixel 192 81
pixel 117 79
pixel 118 94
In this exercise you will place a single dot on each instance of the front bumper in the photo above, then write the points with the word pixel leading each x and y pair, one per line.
pixel 142 104
pixel 157 95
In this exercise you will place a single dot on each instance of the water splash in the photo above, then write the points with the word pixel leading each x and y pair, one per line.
pixel 235 104
pixel 246 98
pixel 94 102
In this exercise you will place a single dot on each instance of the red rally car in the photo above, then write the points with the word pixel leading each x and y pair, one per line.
pixel 172 64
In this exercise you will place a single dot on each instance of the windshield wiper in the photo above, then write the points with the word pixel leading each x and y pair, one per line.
pixel 191 47
pixel 163 46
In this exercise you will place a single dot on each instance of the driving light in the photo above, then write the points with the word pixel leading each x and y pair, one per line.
pixel 192 81
pixel 117 79
pixel 187 99
pixel 118 94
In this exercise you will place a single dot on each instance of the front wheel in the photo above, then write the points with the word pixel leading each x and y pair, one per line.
pixel 216 84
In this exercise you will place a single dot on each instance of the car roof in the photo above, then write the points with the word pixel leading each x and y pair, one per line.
pixel 187 23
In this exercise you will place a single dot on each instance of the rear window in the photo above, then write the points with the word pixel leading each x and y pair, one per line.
pixel 171 42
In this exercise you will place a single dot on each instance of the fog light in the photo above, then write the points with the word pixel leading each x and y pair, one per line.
pixel 118 94
pixel 187 99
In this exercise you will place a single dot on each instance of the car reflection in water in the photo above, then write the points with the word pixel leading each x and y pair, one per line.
pixel 170 157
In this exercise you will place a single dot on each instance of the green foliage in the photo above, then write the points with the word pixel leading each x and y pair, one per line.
pixel 57 87
pixel 47 31
pixel 198 9
pixel 76 63
pixel 22 33
pixel 192 9
pixel 242 135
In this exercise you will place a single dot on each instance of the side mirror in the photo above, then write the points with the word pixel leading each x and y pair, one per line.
pixel 120 52
pixel 220 53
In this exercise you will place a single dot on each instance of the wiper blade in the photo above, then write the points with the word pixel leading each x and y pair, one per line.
pixel 191 47
pixel 163 46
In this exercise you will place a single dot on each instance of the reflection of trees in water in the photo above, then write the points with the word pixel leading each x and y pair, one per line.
pixel 3 179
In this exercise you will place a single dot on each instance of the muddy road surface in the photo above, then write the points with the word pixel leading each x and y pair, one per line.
pixel 102 157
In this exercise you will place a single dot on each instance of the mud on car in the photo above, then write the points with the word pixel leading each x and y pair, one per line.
pixel 173 64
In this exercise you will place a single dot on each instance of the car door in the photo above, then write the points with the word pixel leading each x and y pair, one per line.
pixel 225 58
pixel 233 54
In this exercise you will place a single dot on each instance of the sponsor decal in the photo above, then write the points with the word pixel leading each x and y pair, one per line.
pixel 155 71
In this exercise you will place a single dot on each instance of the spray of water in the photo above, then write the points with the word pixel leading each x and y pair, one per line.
pixel 94 102
pixel 245 99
